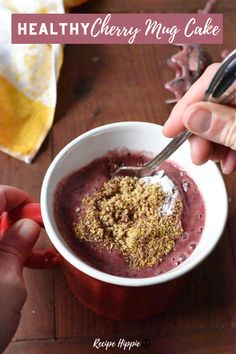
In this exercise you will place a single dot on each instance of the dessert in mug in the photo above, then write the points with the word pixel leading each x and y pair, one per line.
pixel 127 226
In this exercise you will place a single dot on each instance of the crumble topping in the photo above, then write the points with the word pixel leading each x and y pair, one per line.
pixel 127 214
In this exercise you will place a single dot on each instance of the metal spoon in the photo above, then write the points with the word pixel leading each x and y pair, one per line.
pixel 217 92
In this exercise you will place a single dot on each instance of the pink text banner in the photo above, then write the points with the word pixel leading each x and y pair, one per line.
pixel 118 28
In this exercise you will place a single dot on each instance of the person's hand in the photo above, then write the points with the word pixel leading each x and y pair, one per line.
pixel 15 247
pixel 213 125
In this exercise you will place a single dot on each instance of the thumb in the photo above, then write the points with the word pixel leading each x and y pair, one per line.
pixel 17 243
pixel 213 122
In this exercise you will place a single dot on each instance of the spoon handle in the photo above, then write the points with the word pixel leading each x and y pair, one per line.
pixel 224 77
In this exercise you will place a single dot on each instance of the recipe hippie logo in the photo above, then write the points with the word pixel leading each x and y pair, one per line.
pixel 121 343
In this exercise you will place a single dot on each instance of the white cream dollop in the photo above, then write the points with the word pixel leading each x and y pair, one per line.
pixel 168 187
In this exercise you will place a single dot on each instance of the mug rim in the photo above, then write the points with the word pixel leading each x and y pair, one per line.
pixel 74 260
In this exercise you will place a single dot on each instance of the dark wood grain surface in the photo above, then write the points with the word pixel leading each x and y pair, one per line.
pixel 101 84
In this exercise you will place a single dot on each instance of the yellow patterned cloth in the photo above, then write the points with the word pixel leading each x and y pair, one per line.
pixel 28 81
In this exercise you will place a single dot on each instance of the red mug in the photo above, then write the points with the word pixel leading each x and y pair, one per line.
pixel 114 296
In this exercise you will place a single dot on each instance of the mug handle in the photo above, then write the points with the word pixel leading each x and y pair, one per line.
pixel 38 259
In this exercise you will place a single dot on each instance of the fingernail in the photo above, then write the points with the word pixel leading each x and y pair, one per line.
pixel 226 169
pixel 198 121
pixel 26 227
pixel 229 164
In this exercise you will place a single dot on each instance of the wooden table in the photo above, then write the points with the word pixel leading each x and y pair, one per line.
pixel 101 84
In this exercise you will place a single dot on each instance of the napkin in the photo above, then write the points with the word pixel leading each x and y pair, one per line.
pixel 28 81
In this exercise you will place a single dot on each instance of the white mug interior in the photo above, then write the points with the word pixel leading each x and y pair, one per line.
pixel 136 136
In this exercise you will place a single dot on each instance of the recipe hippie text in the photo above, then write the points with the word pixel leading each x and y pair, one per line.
pixel 117 28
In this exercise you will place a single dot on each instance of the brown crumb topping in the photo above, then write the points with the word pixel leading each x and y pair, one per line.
pixel 126 214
